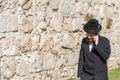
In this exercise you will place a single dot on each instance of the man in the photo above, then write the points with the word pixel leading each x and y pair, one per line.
pixel 95 50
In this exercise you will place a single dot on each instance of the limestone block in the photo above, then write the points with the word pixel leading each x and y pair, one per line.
pixel 77 24
pixel 72 8
pixel 22 2
pixel 49 61
pixel 8 67
pixel 114 28
pixel 42 25
pixel 42 2
pixel 40 16
pixel 103 24
pixel 26 43
pixel 78 39
pixel 27 25
pixel 54 4
pixel 8 23
pixel 46 43
pixel 35 42
pixel 56 22
pixel 79 7
pixel 49 14
pixel 12 50
pixel 41 11
pixel 22 69
pixel 35 63
pixel 73 58
pixel 68 41
pixel 100 11
pixel 67 7
pixel 8 74
pixel 27 4
pixel 61 61
pixel 67 27
pixel 114 40
pixel 68 24
pixel 8 47
pixel 12 4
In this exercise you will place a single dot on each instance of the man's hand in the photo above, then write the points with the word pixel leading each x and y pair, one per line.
pixel 96 39
pixel 78 78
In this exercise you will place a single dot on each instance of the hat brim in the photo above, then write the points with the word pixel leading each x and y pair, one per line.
pixel 92 31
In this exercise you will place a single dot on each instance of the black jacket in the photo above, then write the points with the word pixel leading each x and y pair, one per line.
pixel 94 63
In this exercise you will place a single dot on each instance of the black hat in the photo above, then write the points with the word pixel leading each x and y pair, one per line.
pixel 92 26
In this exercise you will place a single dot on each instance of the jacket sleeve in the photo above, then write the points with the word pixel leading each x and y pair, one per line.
pixel 80 62
pixel 103 49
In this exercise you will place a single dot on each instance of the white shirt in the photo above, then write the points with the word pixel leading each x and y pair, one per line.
pixel 90 47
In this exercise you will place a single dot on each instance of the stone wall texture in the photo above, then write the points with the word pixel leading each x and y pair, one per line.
pixel 40 39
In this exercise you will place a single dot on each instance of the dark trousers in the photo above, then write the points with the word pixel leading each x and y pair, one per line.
pixel 93 79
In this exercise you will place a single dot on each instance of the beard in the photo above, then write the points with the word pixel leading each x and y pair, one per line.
pixel 91 40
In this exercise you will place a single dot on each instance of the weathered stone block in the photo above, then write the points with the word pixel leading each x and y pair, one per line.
pixel 46 42
pixel 35 42
pixel 56 22
pixel 77 24
pixel 68 41
pixel 26 43
pixel 54 4
pixel 73 58
pixel 49 61
pixel 67 8
pixel 26 4
pixel 8 23
pixel 8 67
pixel 27 25
pixel 35 63
pixel 22 69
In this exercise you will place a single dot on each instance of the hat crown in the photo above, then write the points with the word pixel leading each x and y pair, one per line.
pixel 92 26
pixel 93 21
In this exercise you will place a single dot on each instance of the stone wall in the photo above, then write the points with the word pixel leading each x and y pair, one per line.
pixel 40 39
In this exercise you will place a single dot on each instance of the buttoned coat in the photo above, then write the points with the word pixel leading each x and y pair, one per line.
pixel 94 64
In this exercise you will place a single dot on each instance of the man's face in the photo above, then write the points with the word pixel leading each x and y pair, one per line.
pixel 90 37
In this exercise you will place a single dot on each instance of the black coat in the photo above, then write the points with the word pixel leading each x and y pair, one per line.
pixel 94 64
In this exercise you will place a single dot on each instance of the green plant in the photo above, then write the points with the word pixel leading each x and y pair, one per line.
pixel 114 74
pixel 71 79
